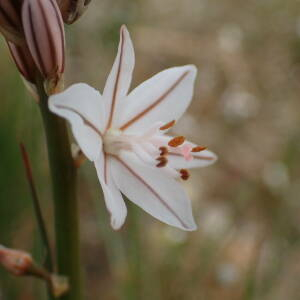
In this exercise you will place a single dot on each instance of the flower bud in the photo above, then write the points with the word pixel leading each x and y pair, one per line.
pixel 20 263
pixel 15 261
pixel 71 10
pixel 23 60
pixel 10 20
pixel 25 65
pixel 44 34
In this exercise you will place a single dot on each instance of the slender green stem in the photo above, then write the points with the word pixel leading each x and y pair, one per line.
pixel 37 209
pixel 63 173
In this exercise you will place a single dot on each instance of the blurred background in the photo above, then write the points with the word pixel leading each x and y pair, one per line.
pixel 246 109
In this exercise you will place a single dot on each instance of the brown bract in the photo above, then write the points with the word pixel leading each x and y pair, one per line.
pixel 10 20
pixel 71 10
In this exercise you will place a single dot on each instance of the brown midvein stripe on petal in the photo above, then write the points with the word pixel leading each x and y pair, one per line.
pixel 50 40
pixel 155 103
pixel 62 33
pixel 195 157
pixel 164 203
pixel 113 104
pixel 35 44
pixel 87 122
pixel 105 167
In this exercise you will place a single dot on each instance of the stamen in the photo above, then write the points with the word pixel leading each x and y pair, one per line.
pixel 198 149
pixel 168 125
pixel 163 161
pixel 176 141
pixel 185 175
pixel 163 151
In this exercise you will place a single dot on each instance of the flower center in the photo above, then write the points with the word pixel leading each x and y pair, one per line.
pixel 151 147
pixel 114 141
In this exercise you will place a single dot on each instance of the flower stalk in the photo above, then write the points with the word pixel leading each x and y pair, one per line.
pixel 63 172
pixel 37 209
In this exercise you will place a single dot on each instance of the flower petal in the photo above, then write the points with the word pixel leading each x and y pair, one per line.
pixel 164 97
pixel 112 196
pixel 81 105
pixel 119 79
pixel 148 187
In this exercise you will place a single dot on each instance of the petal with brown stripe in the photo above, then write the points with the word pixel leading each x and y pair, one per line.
pixel 112 196
pixel 159 195
pixel 164 98
pixel 119 79
pixel 82 106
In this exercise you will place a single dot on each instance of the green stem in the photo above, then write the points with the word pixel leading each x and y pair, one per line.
pixel 63 174
pixel 37 208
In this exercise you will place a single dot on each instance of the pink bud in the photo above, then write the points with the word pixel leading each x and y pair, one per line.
pixel 23 61
pixel 44 34
pixel 15 261
pixel 10 20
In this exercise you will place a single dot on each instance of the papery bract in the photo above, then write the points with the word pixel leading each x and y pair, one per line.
pixel 71 10
pixel 125 136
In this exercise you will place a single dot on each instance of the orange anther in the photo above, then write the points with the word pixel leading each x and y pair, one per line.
pixel 163 151
pixel 185 175
pixel 162 161
pixel 168 125
pixel 198 149
pixel 176 141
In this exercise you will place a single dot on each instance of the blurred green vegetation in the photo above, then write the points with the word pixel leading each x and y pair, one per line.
pixel 246 109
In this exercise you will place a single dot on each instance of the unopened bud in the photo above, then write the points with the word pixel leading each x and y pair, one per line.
pixel 71 10
pixel 26 66
pixel 20 263
pixel 10 20
pixel 23 60
pixel 45 37
pixel 15 261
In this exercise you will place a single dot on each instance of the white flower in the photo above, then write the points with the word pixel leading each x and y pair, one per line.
pixel 124 135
